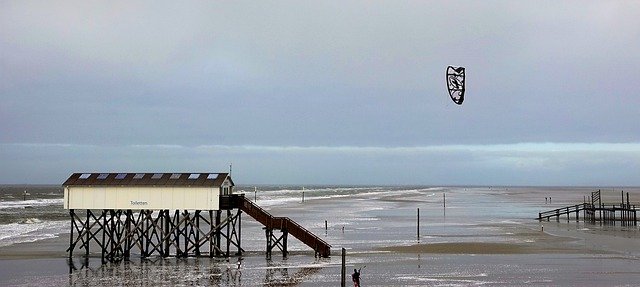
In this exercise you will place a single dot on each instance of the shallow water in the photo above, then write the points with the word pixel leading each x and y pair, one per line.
pixel 362 220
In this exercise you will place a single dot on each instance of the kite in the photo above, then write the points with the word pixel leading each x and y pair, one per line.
pixel 455 84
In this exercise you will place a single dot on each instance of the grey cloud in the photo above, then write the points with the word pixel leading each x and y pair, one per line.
pixel 332 74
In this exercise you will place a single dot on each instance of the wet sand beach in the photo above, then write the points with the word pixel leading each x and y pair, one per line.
pixel 483 237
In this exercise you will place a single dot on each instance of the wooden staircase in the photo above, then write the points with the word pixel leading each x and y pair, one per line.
pixel 285 224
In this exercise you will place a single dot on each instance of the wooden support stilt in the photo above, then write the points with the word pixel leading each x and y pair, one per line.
pixel 228 232
pixel 127 234
pixel 277 242
pixel 166 217
pixel 285 235
pixel 212 230
pixel 218 230
pixel 197 234
pixel 184 232
pixel 103 216
pixel 269 236
pixel 239 233
pixel 71 245
pixel 88 232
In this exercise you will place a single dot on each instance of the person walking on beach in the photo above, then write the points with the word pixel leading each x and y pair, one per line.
pixel 356 277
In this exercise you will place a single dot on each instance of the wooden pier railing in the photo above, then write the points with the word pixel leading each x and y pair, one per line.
pixel 595 210
pixel 284 223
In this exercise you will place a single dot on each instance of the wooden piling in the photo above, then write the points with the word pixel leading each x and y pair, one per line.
pixel 628 211
pixel 88 233
pixel 418 225
pixel 344 268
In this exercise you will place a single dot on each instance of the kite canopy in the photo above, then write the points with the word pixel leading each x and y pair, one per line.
pixel 455 84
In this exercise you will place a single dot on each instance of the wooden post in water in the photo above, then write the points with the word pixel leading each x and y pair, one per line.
pixel 344 268
pixel 418 225
pixel 600 204
pixel 628 210
pixel 621 210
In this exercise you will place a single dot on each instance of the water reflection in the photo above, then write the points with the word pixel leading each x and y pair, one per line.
pixel 189 272
pixel 278 274
pixel 153 272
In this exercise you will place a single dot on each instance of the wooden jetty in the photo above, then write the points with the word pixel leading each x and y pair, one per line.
pixel 168 214
pixel 596 211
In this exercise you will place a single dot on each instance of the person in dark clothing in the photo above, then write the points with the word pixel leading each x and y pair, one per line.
pixel 356 277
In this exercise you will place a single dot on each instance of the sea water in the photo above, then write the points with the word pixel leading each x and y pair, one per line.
pixel 35 216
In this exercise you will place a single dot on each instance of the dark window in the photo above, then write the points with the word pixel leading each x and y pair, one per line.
pixel 103 175
pixel 174 176
pixel 138 176
pixel 121 175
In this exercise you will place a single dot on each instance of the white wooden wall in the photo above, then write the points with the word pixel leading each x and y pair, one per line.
pixel 154 198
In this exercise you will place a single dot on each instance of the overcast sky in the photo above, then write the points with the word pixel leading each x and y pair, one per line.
pixel 320 92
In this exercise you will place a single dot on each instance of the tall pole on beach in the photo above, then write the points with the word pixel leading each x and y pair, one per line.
pixel 418 225
pixel 344 268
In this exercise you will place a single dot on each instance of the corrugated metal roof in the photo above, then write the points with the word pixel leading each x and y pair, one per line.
pixel 147 179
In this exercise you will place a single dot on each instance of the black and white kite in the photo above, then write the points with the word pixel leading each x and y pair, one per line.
pixel 455 84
